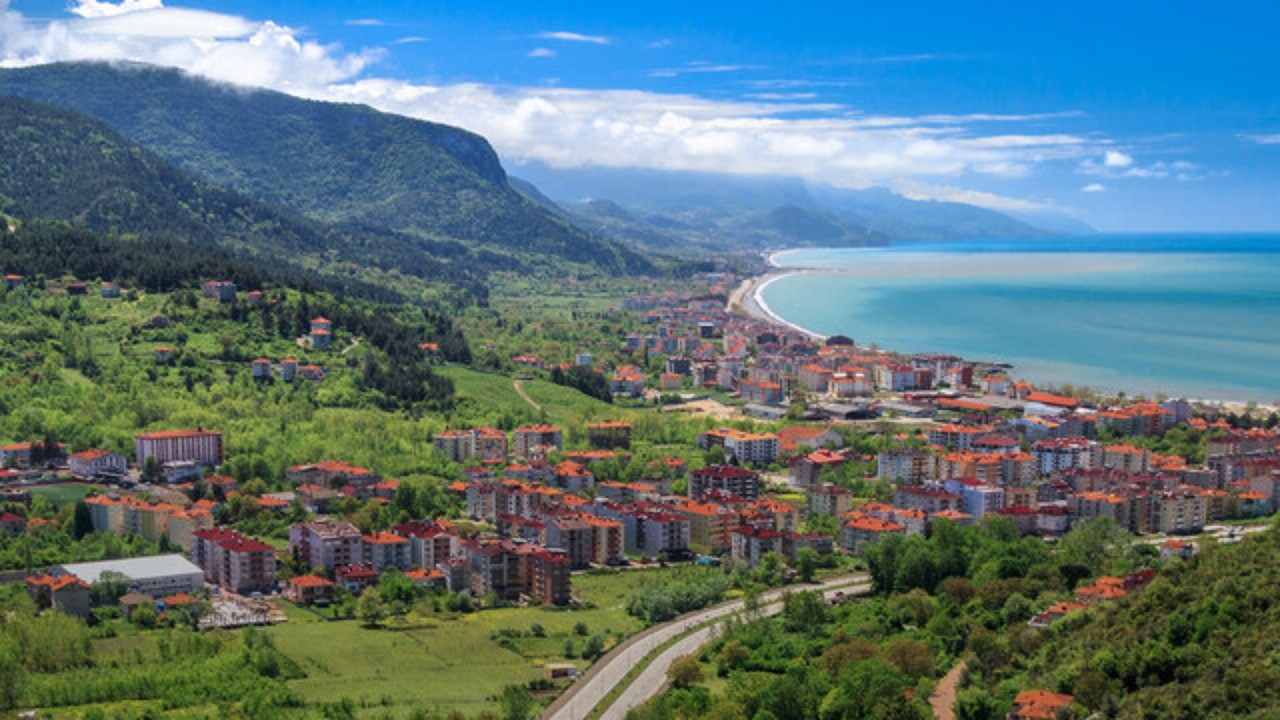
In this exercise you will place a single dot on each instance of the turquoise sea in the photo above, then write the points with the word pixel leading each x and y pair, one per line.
pixel 1195 316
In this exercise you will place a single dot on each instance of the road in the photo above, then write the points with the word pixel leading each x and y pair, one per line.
pixel 590 689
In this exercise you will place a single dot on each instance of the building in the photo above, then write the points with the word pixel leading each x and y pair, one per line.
pixel 725 478
pixel 744 447
pixel 1040 705
pixel 429 543
pixel 383 550
pixel 814 378
pixel 327 543
pixel 68 593
pixel 609 435
pixel 797 438
pixel 261 368
pixel 908 465
pixel 321 333
pixel 751 544
pixel 221 290
pixel 807 469
pixel 535 438
pixel 96 463
pixel 288 369
pixel 233 561
pixel 456 445
pixel 834 500
pixel 760 391
pixel 927 499
pixel 864 530
pixel 157 576
pixel 549 578
pixel 200 446
pixel 309 590
pixel 1063 454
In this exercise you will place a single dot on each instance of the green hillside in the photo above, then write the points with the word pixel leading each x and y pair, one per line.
pixel 331 162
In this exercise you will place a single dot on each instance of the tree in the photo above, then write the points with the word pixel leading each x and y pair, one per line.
pixel 515 703
pixel 83 520
pixel 109 587
pixel 685 672
pixel 152 472
pixel 976 704
pixel 370 608
pixel 804 612
pixel 806 563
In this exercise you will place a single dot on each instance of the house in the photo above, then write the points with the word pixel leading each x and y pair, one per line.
pixel 288 369
pixel 255 297
pixel 66 593
pixel 309 590
pixel 807 469
pixel 796 438
pixel 221 290
pixel 94 463
pixel 1177 548
pixel 11 524
pixel 760 391
pixel 12 282
pixel 110 290
pixel 627 380
pixel 200 446
pixel 424 578
pixel 864 530
pixel 1055 613
pixel 163 354
pixel 1040 705
pixel 261 368
pixel 321 335
pixel 355 578
pixel 331 474
pixel 312 372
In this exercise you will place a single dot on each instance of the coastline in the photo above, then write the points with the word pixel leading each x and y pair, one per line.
pixel 748 299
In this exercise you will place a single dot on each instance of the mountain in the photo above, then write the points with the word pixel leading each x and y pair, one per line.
pixel 792 225
pixel 713 209
pixel 334 163
pixel 61 165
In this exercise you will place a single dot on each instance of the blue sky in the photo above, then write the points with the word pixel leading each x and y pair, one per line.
pixel 1130 116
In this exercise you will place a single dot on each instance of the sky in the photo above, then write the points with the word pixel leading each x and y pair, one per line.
pixel 1129 116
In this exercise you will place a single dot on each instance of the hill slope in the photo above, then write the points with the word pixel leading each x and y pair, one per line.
pixel 62 165
pixel 329 161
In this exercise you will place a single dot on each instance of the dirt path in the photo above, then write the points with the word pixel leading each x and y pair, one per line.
pixel 520 389
pixel 944 696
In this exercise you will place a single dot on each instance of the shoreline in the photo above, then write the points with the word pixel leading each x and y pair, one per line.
pixel 748 299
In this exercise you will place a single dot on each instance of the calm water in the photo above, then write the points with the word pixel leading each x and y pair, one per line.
pixel 1197 316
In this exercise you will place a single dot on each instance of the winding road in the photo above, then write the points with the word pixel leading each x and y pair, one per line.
pixel 583 696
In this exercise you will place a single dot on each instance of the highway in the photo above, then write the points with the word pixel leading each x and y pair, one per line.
pixel 582 697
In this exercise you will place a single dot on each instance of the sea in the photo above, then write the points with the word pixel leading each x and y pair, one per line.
pixel 1193 316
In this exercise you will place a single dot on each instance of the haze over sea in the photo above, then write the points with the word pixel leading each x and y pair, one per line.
pixel 1196 316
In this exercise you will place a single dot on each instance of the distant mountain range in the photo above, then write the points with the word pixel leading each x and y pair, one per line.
pixel 135 149
pixel 333 163
pixel 661 209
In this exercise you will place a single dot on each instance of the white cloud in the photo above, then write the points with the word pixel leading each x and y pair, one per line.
pixel 1273 139
pixel 1116 159
pixel 542 52
pixel 96 9
pixel 409 40
pixel 1094 188
pixel 929 156
pixel 697 68
pixel 366 22
pixel 573 37
pixel 658 44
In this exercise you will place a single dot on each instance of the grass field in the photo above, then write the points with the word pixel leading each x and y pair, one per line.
pixel 497 395
pixel 442 661
pixel 62 493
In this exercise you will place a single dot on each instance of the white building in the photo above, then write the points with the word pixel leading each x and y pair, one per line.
pixel 199 446
pixel 156 576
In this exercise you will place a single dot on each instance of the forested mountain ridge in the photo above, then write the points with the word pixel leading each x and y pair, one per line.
pixel 332 162
pixel 61 165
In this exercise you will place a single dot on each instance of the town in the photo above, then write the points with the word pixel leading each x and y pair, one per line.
pixel 807 451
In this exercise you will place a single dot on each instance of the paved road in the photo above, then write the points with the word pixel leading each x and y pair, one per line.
pixel 583 695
